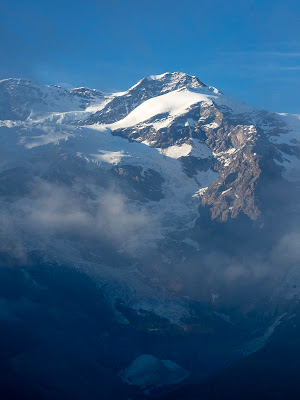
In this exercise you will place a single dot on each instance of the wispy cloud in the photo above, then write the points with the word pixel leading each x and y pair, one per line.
pixel 263 53
pixel 279 53
pixel 290 68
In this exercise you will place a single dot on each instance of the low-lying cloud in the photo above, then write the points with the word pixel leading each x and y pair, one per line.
pixel 57 212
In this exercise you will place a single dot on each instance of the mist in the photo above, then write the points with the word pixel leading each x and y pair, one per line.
pixel 112 228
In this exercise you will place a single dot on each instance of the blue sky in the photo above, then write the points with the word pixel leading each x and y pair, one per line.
pixel 248 49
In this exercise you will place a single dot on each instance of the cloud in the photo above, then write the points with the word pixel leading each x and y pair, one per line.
pixel 58 220
pixel 281 53
pixel 53 212
pixel 290 68
pixel 263 53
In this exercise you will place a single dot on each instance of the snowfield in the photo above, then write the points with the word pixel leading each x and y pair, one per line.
pixel 173 103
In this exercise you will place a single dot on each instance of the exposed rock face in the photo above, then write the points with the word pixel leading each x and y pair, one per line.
pixel 238 145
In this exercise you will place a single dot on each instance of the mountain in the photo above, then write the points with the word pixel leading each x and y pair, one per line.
pixel 21 99
pixel 164 219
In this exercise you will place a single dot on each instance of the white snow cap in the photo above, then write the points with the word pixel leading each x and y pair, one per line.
pixel 174 103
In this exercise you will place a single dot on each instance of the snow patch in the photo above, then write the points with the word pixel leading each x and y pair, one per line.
pixel 291 165
pixel 194 148
pixel 258 343
pixel 205 179
pixel 147 370
pixel 200 149
pixel 177 151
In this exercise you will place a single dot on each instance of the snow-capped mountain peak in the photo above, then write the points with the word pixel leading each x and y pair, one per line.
pixel 171 168
pixel 175 113
pixel 21 99
pixel 170 81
